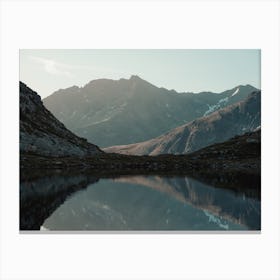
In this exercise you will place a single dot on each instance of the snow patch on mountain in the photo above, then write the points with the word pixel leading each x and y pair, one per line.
pixel 221 103
pixel 237 90
pixel 101 121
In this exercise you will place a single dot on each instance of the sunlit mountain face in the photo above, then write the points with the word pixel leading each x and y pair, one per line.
pixel 219 126
pixel 117 112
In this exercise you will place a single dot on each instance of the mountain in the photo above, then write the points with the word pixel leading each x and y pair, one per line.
pixel 114 112
pixel 219 126
pixel 42 134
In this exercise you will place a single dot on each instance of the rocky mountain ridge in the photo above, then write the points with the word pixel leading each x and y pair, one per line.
pixel 115 112
pixel 42 134
pixel 235 119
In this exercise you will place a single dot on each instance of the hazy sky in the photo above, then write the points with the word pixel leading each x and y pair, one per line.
pixel 46 71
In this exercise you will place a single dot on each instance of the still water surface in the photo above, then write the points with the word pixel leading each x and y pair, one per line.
pixel 134 203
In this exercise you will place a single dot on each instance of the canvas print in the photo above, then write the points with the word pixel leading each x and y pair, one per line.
pixel 140 140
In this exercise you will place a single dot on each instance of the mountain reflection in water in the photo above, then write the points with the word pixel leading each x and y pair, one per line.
pixel 85 202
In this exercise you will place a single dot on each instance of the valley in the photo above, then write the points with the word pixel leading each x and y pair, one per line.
pixel 203 173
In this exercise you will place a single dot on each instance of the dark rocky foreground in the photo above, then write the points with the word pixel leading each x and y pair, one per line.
pixel 239 155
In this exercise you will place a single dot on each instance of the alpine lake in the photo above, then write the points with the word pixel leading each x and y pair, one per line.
pixel 60 201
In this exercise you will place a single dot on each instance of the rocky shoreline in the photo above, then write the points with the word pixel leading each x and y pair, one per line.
pixel 240 156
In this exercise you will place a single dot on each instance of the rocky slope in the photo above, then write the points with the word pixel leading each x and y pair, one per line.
pixel 237 153
pixel 113 112
pixel 236 157
pixel 219 126
pixel 42 134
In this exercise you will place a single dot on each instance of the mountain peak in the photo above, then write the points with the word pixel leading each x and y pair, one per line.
pixel 248 86
pixel 135 78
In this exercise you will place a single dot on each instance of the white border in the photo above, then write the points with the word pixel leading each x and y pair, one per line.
pixel 157 24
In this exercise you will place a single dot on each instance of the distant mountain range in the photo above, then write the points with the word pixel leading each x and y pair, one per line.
pixel 42 134
pixel 219 126
pixel 116 112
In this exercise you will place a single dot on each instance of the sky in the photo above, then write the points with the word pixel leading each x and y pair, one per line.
pixel 183 70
